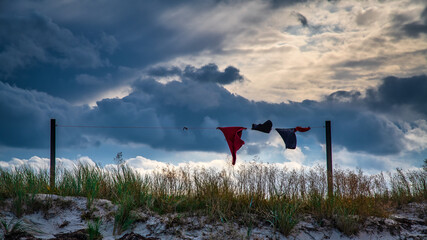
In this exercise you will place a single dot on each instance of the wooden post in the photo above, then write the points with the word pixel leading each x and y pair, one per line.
pixel 329 159
pixel 52 152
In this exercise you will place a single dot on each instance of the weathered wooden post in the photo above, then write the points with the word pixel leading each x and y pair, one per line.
pixel 52 153
pixel 329 159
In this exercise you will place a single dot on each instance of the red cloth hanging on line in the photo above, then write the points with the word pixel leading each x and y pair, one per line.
pixel 302 129
pixel 233 136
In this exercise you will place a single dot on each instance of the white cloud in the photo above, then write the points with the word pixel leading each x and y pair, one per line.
pixel 217 164
pixel 416 137
pixel 294 155
pixel 342 159
pixel 144 165
pixel 39 163
pixel 141 164
pixel 275 141
pixel 370 164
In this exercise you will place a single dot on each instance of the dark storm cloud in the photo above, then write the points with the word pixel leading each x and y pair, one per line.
pixel 147 32
pixel 401 92
pixel 54 47
pixel 25 119
pixel 164 71
pixel 357 123
pixel 285 3
pixel 391 96
pixel 210 73
pixel 302 19
pixel 410 28
pixel 206 73
pixel 415 29
pixel 74 50
pixel 189 103
pixel 26 40
pixel 56 51
pixel 36 53
pixel 344 96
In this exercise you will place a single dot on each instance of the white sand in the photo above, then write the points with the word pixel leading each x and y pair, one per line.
pixel 65 216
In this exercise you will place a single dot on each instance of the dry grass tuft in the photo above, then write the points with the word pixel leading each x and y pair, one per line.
pixel 254 191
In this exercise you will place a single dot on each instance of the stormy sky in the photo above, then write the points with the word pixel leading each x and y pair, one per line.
pixel 166 65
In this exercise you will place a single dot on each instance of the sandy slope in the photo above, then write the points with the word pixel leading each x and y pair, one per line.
pixel 61 215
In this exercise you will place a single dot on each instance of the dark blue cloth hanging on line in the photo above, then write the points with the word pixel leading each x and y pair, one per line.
pixel 288 136
pixel 265 127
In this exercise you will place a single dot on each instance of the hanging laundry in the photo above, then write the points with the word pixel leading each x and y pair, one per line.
pixel 288 136
pixel 301 129
pixel 265 127
pixel 233 136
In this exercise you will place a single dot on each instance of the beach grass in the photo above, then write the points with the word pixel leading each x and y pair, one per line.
pixel 246 194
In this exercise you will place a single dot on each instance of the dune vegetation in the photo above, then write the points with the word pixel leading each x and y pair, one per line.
pixel 252 192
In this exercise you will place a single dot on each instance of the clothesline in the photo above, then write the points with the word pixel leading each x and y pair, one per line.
pixel 232 134
pixel 94 126
pixel 146 127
